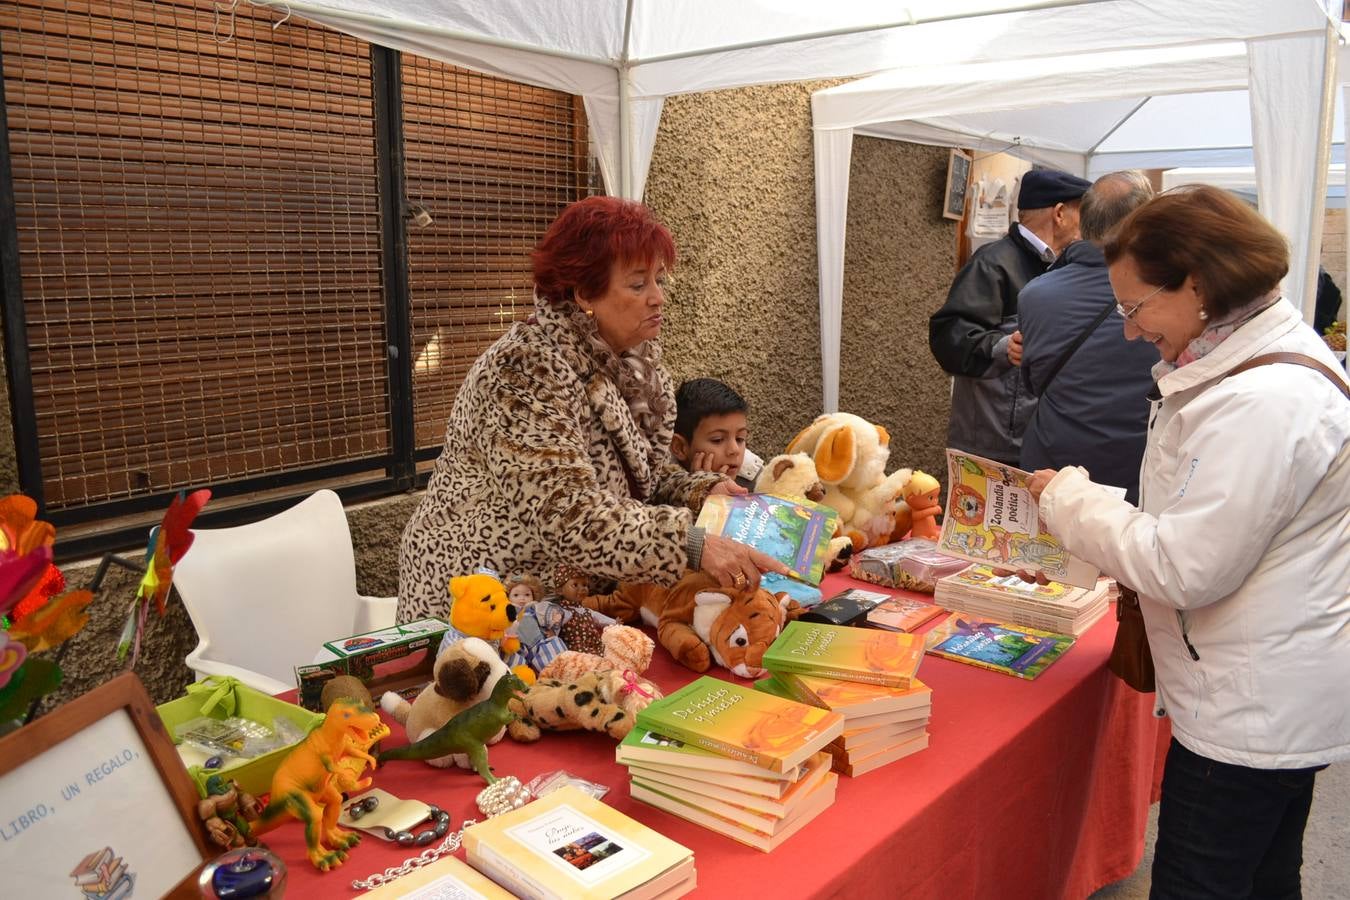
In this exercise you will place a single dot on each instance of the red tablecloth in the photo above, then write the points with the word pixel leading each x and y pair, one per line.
pixel 1034 789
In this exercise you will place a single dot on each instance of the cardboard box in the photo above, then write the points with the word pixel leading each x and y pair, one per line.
pixel 254 775
pixel 400 658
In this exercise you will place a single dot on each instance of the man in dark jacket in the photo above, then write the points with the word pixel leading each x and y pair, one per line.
pixel 1093 412
pixel 973 335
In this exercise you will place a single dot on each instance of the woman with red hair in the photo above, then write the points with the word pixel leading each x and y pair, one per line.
pixel 558 447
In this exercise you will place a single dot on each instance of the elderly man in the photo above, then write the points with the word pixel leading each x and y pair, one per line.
pixel 1092 383
pixel 973 336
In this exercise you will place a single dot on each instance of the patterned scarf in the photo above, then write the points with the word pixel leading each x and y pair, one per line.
pixel 1216 333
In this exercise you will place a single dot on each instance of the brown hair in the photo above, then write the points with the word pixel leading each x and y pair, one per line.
pixel 1233 253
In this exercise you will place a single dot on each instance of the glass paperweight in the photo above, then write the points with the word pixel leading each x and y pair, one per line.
pixel 245 872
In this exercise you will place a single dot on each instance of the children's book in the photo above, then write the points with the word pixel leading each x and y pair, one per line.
pixel 1020 651
pixel 849 654
pixel 445 879
pixel 852 766
pixel 848 607
pixel 991 519
pixel 806 595
pixel 792 530
pixel 742 723
pixel 864 741
pixel 569 846
pixel 679 804
pixel 648 748
pixel 855 698
pixel 754 805
pixel 902 614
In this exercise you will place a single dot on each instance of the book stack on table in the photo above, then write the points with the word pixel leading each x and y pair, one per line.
pixel 745 764
pixel 1054 607
pixel 867 676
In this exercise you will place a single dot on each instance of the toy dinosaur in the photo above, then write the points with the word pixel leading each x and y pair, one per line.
pixel 309 782
pixel 468 731
pixel 226 811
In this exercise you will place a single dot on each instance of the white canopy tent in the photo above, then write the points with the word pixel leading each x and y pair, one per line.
pixel 1065 110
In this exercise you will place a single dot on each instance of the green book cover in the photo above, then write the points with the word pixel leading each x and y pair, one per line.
pixel 740 722
pixel 794 531
pixel 776 688
pixel 849 654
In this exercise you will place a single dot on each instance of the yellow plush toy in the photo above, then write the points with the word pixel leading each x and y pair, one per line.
pixel 480 608
pixel 850 454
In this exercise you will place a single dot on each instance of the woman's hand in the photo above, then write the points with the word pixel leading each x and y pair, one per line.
pixel 734 564
pixel 728 487
pixel 1037 482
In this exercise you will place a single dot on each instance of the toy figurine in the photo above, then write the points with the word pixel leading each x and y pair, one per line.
pixel 579 632
pixel 308 784
pixel 226 811
pixel 469 731
pixel 921 494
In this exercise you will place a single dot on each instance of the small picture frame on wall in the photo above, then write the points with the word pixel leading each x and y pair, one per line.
pixel 96 799
pixel 958 178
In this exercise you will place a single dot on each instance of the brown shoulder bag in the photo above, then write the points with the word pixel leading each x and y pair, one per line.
pixel 1131 661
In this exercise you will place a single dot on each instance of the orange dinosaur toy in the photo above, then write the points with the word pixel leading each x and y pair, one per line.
pixel 309 783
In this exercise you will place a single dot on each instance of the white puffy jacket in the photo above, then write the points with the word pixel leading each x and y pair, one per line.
pixel 1240 550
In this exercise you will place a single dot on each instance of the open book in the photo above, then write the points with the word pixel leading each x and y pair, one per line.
pixel 991 519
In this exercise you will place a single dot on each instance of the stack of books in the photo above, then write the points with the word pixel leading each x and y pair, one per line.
pixel 569 846
pixel 881 724
pixel 745 764
pixel 868 677
pixel 103 876
pixel 1053 607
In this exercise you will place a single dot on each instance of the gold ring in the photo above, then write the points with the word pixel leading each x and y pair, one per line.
pixel 740 580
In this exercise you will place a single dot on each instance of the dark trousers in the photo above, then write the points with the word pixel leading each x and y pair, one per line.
pixel 1227 831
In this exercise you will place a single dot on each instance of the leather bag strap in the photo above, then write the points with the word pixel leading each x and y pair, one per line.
pixel 1294 359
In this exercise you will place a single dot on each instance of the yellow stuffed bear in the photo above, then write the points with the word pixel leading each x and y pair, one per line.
pixel 480 608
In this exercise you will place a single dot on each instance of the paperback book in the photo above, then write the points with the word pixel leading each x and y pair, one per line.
pixel 854 698
pixel 850 607
pixel 648 748
pixel 1023 652
pixel 853 766
pixel 902 614
pixel 753 805
pixel 742 723
pixel 850 654
pixel 794 531
pixel 991 519
pixel 569 846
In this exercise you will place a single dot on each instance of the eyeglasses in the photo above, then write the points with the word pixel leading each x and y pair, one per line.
pixel 1128 314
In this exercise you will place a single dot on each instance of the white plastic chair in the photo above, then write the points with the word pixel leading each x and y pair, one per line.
pixel 265 596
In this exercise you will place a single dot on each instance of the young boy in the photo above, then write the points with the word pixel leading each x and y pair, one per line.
pixel 711 430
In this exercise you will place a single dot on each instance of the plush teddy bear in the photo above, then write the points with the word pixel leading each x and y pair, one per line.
pixel 480 608
pixel 606 700
pixel 701 623
pixel 876 511
pixel 463 676
pixel 850 454
pixel 626 649
pixel 794 475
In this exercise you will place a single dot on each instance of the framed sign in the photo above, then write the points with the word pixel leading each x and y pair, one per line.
pixel 94 799
pixel 958 177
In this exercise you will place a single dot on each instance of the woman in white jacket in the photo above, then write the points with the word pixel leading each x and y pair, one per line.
pixel 1240 547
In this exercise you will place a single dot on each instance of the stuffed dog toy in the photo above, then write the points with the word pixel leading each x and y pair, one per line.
pixel 480 608
pixel 464 675
pixel 701 623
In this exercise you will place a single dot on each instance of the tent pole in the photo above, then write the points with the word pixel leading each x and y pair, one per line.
pixel 625 109
pixel 1317 209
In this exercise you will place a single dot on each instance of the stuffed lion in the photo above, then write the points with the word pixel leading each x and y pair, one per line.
pixel 701 623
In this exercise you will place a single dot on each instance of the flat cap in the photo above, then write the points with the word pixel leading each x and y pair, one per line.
pixel 1046 187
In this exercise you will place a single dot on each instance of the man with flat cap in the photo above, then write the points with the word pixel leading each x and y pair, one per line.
pixel 974 335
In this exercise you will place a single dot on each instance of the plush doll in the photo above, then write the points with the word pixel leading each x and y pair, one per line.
pixel 579 632
pixel 607 700
pixel 465 673
pixel 918 517
pixel 701 623
pixel 626 649
pixel 479 608
pixel 850 454
pixel 795 476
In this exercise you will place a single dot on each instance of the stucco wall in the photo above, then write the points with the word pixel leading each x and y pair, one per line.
pixel 733 177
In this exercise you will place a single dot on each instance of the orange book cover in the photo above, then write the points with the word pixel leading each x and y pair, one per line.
pixel 847 654
pixel 855 698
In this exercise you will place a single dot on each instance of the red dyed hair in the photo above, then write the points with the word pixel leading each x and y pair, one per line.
pixel 581 246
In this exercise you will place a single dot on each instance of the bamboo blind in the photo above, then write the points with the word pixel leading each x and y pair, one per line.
pixel 493 162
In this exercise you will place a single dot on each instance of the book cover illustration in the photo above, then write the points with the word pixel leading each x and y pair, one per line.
pixel 851 698
pixel 103 875
pixel 850 654
pixel 742 723
pixel 902 614
pixel 643 747
pixel 1024 652
pixel 794 531
pixel 991 519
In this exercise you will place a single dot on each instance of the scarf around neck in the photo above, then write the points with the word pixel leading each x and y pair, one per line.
pixel 1216 333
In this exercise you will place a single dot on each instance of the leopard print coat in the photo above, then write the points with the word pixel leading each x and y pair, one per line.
pixel 533 473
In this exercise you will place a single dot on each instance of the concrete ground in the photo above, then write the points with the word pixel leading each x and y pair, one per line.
pixel 1326 845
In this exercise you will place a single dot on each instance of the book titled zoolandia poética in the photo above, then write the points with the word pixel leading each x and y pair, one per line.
pixel 770 732
pixel 849 654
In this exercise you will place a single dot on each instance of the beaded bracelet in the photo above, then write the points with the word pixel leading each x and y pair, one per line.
pixel 439 818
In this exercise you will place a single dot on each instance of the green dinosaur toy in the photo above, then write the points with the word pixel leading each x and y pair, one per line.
pixel 469 731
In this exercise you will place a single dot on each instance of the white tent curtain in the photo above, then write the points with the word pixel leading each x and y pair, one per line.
pixel 833 150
